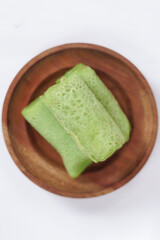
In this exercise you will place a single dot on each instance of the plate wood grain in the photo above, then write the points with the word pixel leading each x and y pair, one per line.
pixel 39 161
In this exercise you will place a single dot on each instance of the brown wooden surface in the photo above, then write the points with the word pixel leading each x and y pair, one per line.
pixel 39 161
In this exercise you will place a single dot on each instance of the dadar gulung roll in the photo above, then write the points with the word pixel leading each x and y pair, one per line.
pixel 80 118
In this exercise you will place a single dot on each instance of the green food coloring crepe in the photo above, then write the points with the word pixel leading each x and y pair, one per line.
pixel 80 118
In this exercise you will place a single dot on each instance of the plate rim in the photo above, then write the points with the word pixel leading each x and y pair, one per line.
pixel 10 91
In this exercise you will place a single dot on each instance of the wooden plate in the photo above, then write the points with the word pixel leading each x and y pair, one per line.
pixel 39 161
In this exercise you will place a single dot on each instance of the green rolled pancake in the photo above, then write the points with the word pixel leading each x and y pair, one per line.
pixel 40 118
pixel 84 118
pixel 103 94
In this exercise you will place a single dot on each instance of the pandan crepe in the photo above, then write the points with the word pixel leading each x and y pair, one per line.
pixel 81 119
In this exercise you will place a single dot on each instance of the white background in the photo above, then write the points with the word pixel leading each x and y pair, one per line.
pixel 131 28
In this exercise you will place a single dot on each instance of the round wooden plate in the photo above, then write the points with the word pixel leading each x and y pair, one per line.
pixel 39 161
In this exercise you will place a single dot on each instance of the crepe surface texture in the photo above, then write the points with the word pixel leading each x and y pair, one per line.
pixel 80 118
